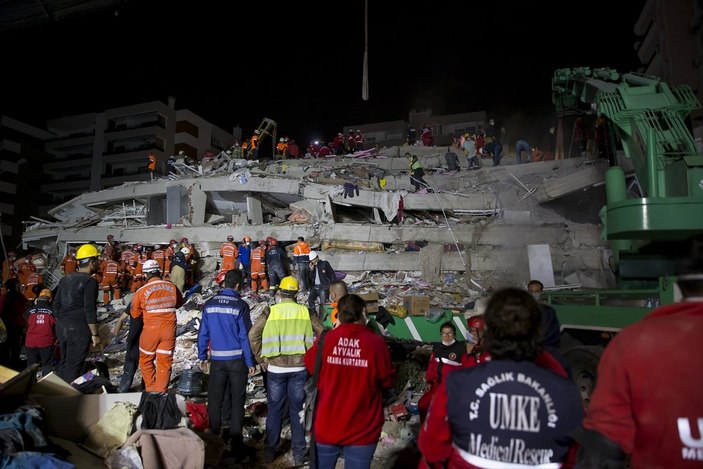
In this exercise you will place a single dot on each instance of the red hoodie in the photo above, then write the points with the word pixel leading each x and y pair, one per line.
pixel 356 367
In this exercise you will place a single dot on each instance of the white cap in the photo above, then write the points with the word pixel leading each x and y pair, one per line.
pixel 313 255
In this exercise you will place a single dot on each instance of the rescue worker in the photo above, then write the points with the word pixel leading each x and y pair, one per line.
pixel 511 411
pixel 279 340
pixel 320 278
pixel 359 139
pixel 159 255
pixel 41 333
pixel 646 409
pixel 244 259
pixel 110 283
pixel 475 326
pixel 259 280
pixel 69 263
pixel 110 248
pixel 337 290
pixel 275 262
pixel 33 285
pixel 152 165
pixel 156 302
pixel 170 251
pixel 351 142
pixel 228 253
pixel 281 149
pixel 223 335
pixel 301 252
pixel 178 270
pixel 416 172
pixel 127 258
pixel 448 355
pixel 76 314
pixel 254 145
pixel 426 136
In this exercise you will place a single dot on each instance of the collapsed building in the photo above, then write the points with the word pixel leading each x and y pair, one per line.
pixel 494 227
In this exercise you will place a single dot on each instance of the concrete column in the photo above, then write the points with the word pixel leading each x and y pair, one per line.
pixel 254 211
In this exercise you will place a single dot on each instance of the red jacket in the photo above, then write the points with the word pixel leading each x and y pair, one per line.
pixel 356 367
pixel 41 325
pixel 648 397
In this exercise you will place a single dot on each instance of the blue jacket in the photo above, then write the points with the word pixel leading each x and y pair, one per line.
pixel 244 254
pixel 225 327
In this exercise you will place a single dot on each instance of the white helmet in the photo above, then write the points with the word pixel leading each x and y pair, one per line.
pixel 151 266
pixel 281 139
pixel 313 255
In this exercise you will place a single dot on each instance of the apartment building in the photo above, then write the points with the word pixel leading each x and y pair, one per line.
pixel 98 150
pixel 21 153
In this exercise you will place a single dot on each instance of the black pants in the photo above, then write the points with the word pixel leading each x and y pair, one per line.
pixel 131 358
pixel 74 342
pixel 227 377
pixel 303 275
pixel 318 291
pixel 417 179
pixel 42 355
pixel 10 350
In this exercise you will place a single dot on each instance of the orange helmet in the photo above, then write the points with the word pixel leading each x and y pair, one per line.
pixel 220 277
pixel 477 322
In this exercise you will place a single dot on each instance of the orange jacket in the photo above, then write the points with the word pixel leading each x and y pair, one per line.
pixel 156 301
pixel 152 162
pixel 301 252
pixel 258 260
pixel 69 264
pixel 228 252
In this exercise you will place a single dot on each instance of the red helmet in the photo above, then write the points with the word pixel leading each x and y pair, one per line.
pixel 246 239
pixel 220 277
pixel 230 238
pixel 184 240
pixel 477 322
pixel 172 242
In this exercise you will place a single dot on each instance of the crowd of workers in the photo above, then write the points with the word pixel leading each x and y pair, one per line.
pixel 505 397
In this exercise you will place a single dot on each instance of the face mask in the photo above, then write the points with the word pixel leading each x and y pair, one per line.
pixel 536 295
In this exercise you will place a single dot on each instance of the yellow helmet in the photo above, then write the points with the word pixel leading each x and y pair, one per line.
pixel 289 283
pixel 46 293
pixel 86 251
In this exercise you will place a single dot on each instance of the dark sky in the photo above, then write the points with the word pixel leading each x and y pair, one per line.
pixel 300 63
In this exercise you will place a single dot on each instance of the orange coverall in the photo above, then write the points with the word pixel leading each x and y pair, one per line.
pixel 156 302
pixel 111 271
pixel 258 269
pixel 69 264
pixel 228 253
pixel 159 256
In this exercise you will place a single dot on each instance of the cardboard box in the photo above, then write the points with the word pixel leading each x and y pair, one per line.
pixel 417 305
pixel 371 300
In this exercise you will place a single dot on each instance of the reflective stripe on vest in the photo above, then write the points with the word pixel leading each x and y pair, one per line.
pixel 288 330
pixel 447 361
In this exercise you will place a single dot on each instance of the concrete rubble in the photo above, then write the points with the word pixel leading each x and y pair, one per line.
pixel 479 231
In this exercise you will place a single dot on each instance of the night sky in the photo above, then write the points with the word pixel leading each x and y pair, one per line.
pixel 300 63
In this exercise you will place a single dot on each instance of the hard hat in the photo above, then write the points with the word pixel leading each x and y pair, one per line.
pixel 281 139
pixel 150 266
pixel 257 131
pixel 157 246
pixel 246 239
pixel 230 238
pixel 46 293
pixel 220 277
pixel 184 240
pixel 289 283
pixel 110 237
pixel 185 250
pixel 358 131
pixel 477 322
pixel 86 251
pixel 313 255
pixel 172 242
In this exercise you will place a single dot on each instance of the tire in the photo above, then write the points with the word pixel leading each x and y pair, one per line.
pixel 584 369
